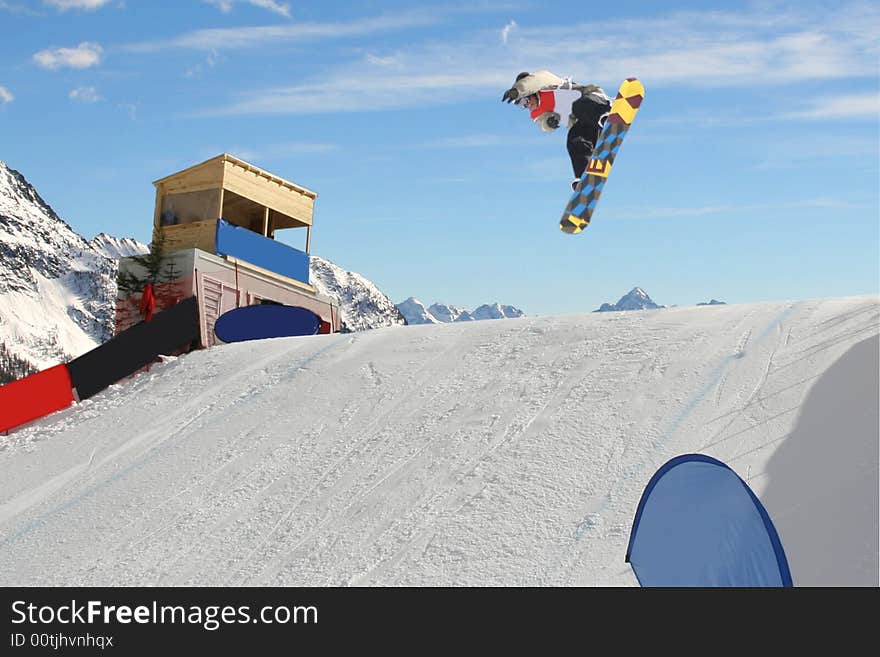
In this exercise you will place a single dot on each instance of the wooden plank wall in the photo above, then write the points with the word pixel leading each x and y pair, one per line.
pixel 268 192
pixel 208 175
pixel 195 235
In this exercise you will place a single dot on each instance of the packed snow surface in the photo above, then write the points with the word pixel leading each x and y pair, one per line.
pixel 472 453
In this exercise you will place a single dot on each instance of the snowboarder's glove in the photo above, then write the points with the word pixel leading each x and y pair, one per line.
pixel 510 96
pixel 547 121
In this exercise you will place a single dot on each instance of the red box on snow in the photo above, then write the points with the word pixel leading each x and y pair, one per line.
pixel 35 396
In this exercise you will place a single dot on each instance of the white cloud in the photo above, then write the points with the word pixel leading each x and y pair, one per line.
pixel 15 8
pixel 84 55
pixel 715 48
pixel 797 153
pixel 284 150
pixel 85 5
pixel 751 209
pixel 842 107
pixel 6 95
pixel 210 62
pixel 240 38
pixel 711 50
pixel 276 7
pixel 85 95
pixel 387 61
pixel 505 32
pixel 376 91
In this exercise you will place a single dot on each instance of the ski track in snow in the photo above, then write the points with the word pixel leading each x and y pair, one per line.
pixel 511 452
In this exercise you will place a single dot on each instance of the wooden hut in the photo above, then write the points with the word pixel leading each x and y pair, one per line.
pixel 189 202
pixel 217 223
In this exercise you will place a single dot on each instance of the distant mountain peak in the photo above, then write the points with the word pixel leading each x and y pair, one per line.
pixel 497 311
pixel 446 313
pixel 118 247
pixel 438 313
pixel 415 312
pixel 635 299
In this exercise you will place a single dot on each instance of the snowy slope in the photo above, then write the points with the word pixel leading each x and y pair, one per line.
pixel 56 291
pixel 472 453
pixel 362 305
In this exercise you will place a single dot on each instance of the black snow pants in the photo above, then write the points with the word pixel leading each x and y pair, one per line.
pixel 583 134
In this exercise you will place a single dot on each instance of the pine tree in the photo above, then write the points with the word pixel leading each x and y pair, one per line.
pixel 158 271
pixel 13 368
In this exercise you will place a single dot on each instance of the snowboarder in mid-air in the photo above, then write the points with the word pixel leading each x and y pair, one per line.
pixel 553 102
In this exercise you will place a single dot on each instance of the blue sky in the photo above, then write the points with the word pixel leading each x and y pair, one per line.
pixel 750 173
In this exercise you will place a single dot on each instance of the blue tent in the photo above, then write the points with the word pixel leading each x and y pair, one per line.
pixel 699 524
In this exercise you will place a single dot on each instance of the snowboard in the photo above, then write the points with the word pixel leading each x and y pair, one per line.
pixel 583 201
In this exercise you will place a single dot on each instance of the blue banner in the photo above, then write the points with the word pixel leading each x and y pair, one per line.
pixel 261 251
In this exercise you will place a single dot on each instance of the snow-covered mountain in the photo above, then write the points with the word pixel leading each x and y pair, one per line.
pixel 635 299
pixel 447 314
pixel 56 290
pixel 415 312
pixel 496 311
pixel 362 305
pixel 712 302
pixel 118 247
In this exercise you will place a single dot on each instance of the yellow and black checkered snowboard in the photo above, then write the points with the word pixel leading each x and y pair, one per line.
pixel 580 207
